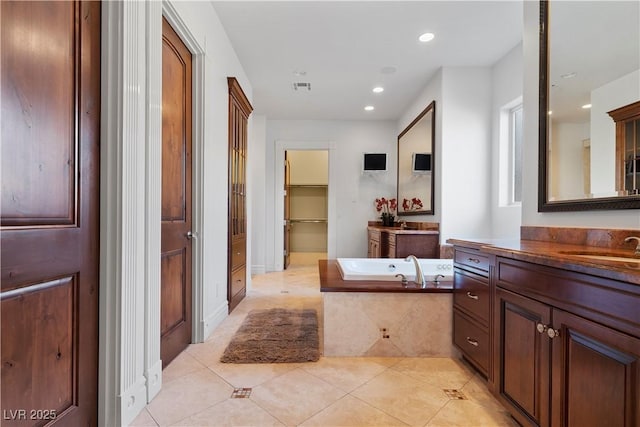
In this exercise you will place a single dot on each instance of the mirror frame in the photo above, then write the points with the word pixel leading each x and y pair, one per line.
pixel 544 205
pixel 431 107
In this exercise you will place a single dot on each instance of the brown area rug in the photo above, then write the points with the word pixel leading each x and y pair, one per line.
pixel 275 335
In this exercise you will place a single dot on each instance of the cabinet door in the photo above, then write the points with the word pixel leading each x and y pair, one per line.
pixel 523 357
pixel 596 374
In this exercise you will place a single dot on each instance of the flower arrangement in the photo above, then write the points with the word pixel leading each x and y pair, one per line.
pixel 387 207
pixel 414 204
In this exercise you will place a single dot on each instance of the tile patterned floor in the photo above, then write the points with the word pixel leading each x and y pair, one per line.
pixel 197 389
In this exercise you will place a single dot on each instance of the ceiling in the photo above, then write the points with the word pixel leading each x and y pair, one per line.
pixel 346 48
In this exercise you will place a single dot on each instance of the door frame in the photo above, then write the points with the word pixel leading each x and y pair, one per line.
pixel 281 147
pixel 131 375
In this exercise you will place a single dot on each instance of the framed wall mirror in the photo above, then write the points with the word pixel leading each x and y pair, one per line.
pixel 589 137
pixel 416 164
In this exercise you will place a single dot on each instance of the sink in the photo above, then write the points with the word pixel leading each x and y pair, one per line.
pixel 603 256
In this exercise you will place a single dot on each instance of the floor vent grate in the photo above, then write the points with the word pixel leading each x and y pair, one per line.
pixel 241 393
pixel 284 292
pixel 452 393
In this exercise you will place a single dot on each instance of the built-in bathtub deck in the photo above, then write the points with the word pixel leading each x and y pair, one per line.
pixel 383 318
pixel 331 281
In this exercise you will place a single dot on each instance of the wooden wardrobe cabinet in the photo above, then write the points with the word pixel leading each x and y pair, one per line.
pixel 239 111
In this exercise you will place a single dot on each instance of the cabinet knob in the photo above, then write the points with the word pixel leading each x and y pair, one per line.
pixel 472 341
pixel 472 296
pixel 553 333
pixel 541 328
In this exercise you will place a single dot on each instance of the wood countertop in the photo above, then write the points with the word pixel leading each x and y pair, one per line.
pixel 331 281
pixel 561 255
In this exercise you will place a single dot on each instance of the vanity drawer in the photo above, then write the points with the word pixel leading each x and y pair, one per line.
pixel 472 259
pixel 238 280
pixel 238 253
pixel 472 340
pixel 471 295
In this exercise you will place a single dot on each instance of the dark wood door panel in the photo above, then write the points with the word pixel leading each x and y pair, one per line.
pixel 524 357
pixel 175 265
pixel 39 102
pixel 597 370
pixel 50 210
pixel 40 320
pixel 172 313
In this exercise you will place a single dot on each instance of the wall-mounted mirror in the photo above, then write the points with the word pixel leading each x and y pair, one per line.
pixel 589 67
pixel 416 161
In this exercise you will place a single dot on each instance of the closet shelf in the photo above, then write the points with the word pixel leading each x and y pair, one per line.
pixel 315 221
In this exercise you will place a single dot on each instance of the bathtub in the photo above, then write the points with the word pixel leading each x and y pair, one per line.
pixel 385 269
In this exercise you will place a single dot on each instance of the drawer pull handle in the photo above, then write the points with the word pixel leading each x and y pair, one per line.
pixel 476 260
pixel 472 341
pixel 472 296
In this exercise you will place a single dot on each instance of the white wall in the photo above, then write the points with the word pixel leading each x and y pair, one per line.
pixel 566 160
pixel 466 153
pixel 616 94
pixel 625 218
pixel 355 193
pixel 506 93
pixel 462 150
pixel 256 188
pixel 431 92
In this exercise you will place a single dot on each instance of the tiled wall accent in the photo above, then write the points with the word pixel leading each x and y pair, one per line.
pixel 599 237
pixel 415 325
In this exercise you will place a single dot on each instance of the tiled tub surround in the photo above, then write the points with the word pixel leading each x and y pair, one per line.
pixel 384 319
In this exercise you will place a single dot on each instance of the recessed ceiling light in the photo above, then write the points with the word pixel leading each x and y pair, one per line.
pixel 378 89
pixel 369 108
pixel 586 106
pixel 569 75
pixel 426 37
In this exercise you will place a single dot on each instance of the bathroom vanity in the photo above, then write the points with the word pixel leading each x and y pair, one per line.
pixel 553 322
pixel 421 239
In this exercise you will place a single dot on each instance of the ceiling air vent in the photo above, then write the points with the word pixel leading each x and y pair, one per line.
pixel 302 86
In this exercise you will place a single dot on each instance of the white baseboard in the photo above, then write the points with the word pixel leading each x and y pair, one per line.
pixel 212 321
pixel 154 380
pixel 133 401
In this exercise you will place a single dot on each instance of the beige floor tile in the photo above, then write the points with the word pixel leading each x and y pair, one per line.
pixel 440 372
pixel 476 391
pixel 144 419
pixel 295 396
pixel 251 375
pixel 346 373
pixel 409 400
pixel 231 412
pixel 350 411
pixel 182 365
pixel 465 413
pixel 188 395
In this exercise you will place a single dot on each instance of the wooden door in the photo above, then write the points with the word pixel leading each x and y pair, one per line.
pixel 50 212
pixel 596 374
pixel 523 357
pixel 175 264
pixel 287 211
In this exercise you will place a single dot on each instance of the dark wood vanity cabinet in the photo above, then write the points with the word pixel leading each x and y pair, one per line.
pixel 397 243
pixel 566 347
pixel 471 307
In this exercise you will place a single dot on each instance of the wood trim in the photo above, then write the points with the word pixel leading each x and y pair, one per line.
pixel 236 92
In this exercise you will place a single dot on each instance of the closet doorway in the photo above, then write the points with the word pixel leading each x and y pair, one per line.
pixel 306 180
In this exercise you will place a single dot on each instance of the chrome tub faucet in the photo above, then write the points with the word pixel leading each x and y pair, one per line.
pixel 419 276
pixel 637 239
